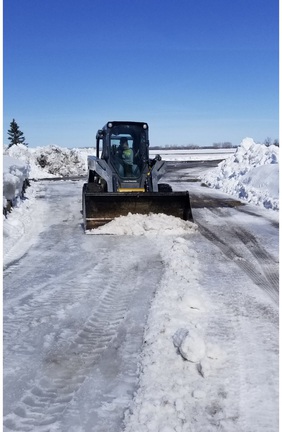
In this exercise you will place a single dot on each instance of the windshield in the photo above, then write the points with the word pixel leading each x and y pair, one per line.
pixel 128 150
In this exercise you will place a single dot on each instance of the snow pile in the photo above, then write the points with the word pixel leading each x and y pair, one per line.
pixel 21 163
pixel 51 161
pixel 251 174
pixel 15 173
pixel 152 224
pixel 21 225
pixel 175 338
pixel 59 162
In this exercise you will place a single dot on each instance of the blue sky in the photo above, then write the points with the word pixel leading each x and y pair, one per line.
pixel 198 71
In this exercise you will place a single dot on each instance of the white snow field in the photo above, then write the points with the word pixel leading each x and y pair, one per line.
pixel 149 323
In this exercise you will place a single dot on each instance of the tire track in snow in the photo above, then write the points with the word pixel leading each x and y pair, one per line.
pixel 68 364
pixel 64 322
pixel 250 327
pixel 267 263
pixel 245 325
pixel 65 269
pixel 243 249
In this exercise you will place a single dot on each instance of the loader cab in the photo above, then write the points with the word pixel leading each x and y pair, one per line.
pixel 125 148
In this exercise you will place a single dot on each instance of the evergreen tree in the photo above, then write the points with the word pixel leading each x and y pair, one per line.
pixel 267 142
pixel 15 135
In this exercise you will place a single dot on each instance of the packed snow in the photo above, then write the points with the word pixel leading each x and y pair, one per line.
pixel 184 374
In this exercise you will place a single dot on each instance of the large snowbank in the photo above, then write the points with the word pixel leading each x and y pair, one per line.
pixel 15 173
pixel 51 161
pixel 251 174
pixel 21 163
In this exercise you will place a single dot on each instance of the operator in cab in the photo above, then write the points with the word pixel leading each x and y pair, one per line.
pixel 127 157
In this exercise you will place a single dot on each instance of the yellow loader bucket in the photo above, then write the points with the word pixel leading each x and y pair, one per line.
pixel 100 208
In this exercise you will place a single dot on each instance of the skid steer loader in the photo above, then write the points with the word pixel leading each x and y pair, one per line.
pixel 122 179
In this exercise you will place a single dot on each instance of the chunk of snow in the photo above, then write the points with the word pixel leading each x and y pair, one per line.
pixel 190 345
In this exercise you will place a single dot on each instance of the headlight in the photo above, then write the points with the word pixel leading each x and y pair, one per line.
pixel 145 126
pixel 110 125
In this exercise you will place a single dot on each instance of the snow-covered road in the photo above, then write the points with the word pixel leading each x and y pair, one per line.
pixel 76 305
